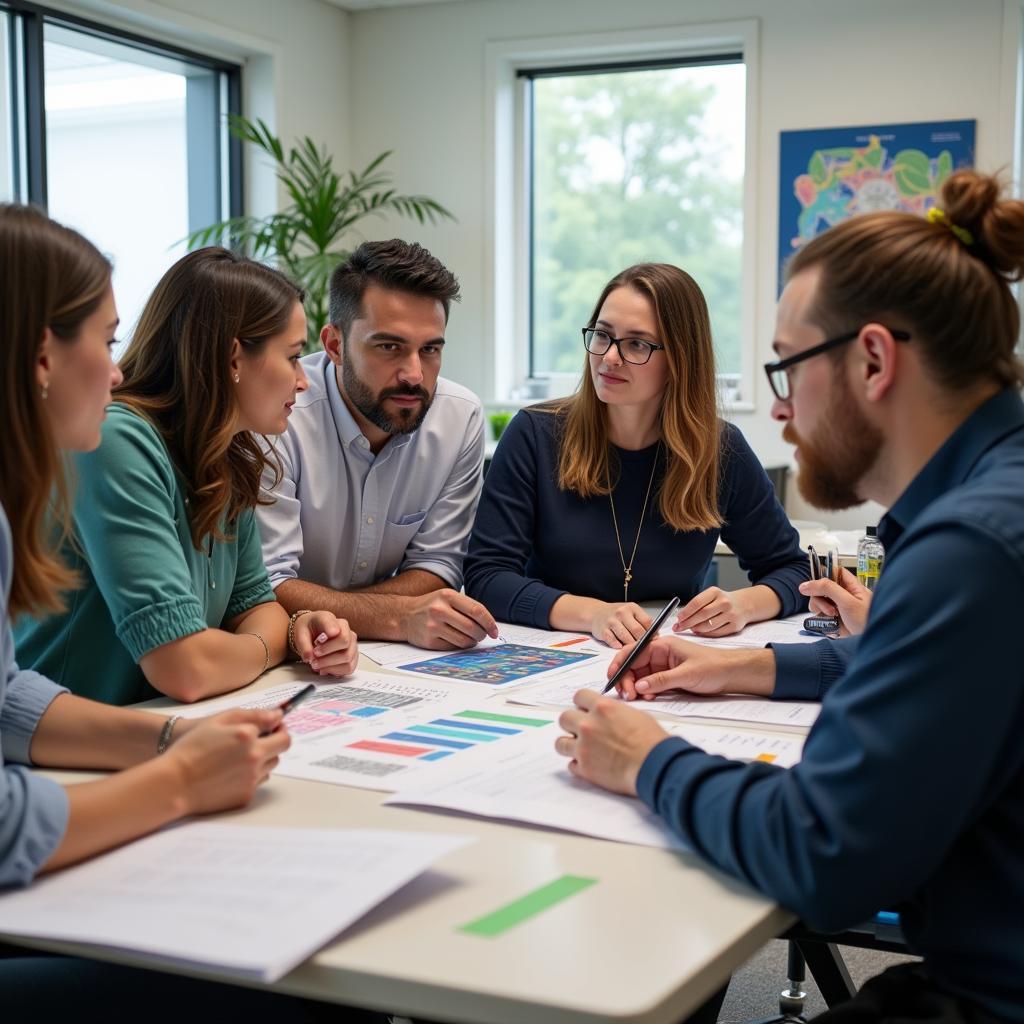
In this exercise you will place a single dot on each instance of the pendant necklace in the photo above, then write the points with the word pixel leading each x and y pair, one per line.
pixel 627 570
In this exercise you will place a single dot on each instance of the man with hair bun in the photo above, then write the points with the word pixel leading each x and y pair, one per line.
pixel 381 462
pixel 897 380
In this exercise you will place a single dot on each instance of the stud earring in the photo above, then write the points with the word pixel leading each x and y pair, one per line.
pixel 44 392
pixel 236 378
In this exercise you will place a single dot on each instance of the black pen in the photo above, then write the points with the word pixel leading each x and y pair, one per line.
pixel 823 625
pixel 293 702
pixel 651 633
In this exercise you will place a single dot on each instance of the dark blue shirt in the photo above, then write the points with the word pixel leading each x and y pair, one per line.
pixel 910 794
pixel 807 671
pixel 533 542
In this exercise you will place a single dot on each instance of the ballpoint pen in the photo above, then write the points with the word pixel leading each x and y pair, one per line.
pixel 652 631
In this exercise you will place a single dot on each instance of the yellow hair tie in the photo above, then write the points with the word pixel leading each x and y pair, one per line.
pixel 939 216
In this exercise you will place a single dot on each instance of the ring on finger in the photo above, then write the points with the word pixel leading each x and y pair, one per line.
pixel 711 622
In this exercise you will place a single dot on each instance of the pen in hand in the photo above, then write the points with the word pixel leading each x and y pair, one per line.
pixel 649 635
pixel 293 702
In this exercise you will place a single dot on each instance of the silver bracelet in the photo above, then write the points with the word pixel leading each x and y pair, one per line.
pixel 266 652
pixel 165 734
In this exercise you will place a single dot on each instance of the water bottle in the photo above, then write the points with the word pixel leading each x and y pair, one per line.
pixel 870 556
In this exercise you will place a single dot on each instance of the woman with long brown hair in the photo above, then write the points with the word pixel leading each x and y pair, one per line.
pixel 618 494
pixel 57 318
pixel 175 598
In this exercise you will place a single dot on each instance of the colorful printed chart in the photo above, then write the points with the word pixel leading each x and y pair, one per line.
pixel 497 665
pixel 354 704
pixel 394 753
pixel 442 737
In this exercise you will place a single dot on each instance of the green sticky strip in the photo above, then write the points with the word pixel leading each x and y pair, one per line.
pixel 527 906
pixel 490 716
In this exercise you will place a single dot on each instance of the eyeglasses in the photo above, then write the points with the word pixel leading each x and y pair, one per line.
pixel 778 373
pixel 631 350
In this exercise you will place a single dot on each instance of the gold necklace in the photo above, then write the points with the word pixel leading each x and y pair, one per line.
pixel 627 570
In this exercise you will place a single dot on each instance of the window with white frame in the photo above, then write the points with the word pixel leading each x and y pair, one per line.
pixel 611 149
pixel 628 164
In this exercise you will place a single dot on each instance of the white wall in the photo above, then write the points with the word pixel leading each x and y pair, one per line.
pixel 417 85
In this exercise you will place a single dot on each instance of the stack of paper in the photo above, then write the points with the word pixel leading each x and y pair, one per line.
pixel 527 781
pixel 784 714
pixel 250 901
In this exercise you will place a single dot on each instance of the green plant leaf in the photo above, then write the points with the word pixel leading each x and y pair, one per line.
pixel 306 237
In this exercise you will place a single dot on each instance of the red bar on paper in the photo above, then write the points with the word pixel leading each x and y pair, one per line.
pixel 572 642
pixel 390 748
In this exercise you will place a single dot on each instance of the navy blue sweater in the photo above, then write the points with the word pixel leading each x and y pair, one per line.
pixel 532 542
pixel 910 794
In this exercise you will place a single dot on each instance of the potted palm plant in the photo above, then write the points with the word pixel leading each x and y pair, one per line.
pixel 305 238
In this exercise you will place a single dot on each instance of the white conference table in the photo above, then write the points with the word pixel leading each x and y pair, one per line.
pixel 655 937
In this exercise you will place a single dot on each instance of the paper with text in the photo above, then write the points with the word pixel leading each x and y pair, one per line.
pixel 527 781
pixel 757 634
pixel 758 711
pixel 253 901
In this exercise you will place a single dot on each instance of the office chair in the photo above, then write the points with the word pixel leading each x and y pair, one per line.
pixel 821 955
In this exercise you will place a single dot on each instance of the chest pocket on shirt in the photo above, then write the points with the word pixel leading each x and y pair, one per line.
pixel 397 535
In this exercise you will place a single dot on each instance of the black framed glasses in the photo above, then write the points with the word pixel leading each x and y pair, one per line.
pixel 778 372
pixel 631 350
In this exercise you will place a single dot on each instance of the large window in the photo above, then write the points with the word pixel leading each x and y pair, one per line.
pixel 633 163
pixel 120 138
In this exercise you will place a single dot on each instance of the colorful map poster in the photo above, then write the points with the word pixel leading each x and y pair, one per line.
pixel 828 175
pixel 496 665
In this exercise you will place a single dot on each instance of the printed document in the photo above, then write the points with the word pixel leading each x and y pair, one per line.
pixel 787 714
pixel 757 634
pixel 252 901
pixel 526 781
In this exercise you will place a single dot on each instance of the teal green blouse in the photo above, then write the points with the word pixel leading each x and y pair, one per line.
pixel 144 584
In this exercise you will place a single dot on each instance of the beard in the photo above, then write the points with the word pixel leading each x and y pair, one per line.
pixel 842 450
pixel 404 421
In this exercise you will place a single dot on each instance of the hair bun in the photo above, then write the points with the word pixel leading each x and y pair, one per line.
pixel 974 201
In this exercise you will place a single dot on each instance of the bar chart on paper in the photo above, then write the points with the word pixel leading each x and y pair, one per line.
pixel 387 757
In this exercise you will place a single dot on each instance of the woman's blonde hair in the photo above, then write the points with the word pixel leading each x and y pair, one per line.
pixel 52 278
pixel 177 374
pixel 688 408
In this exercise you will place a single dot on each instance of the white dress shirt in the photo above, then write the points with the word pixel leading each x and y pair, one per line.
pixel 343 517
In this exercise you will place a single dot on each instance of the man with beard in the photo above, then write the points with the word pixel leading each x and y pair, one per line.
pixel 897 380
pixel 381 463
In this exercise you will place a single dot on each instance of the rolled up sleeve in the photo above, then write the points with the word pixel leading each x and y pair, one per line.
pixel 125 521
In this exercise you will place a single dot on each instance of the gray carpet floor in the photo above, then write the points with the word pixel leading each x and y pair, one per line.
pixel 754 989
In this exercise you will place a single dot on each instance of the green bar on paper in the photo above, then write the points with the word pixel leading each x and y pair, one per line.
pixel 527 906
pixel 490 716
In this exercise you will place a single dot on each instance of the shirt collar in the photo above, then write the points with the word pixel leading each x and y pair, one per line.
pixel 349 432
pixel 954 462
